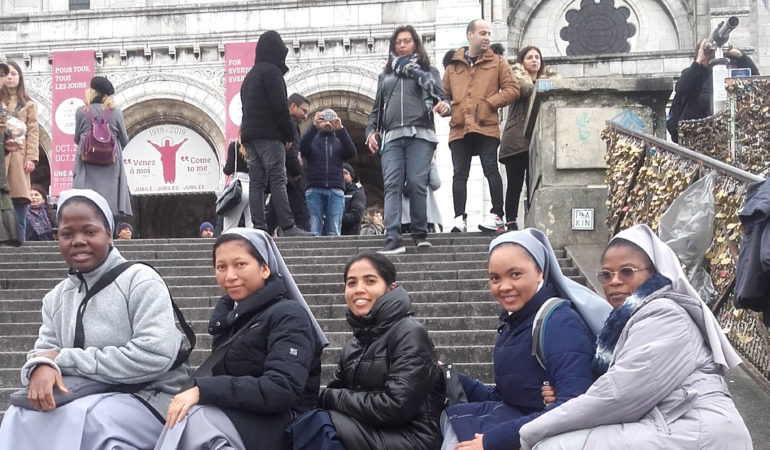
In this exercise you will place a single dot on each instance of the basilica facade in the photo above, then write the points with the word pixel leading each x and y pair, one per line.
pixel 168 61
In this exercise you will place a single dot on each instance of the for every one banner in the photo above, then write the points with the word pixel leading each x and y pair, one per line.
pixel 239 57
pixel 71 71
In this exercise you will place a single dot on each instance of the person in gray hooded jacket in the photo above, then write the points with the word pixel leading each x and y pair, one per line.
pixel 130 338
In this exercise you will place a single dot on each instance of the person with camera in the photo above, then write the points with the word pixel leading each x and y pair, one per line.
pixel 401 129
pixel 324 146
pixel 693 91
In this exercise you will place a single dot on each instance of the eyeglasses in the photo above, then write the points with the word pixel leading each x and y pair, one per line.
pixel 406 41
pixel 624 274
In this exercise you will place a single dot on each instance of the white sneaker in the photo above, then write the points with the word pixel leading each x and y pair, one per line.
pixel 494 223
pixel 461 225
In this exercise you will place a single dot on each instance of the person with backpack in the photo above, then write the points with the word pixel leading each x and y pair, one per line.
pixel 125 339
pixel 661 359
pixel 525 279
pixel 101 135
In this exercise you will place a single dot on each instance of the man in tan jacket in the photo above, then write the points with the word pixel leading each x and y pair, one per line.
pixel 478 82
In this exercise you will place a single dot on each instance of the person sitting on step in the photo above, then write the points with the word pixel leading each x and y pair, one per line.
pixel 523 276
pixel 662 360
pixel 129 337
pixel 388 390
pixel 265 366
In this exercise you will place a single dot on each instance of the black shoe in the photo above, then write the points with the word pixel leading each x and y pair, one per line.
pixel 392 248
pixel 422 242
pixel 512 226
pixel 296 231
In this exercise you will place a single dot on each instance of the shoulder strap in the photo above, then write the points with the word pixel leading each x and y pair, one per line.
pixel 538 327
pixel 183 355
pixel 103 281
pixel 105 118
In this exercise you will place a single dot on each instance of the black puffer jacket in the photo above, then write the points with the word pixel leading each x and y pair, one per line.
pixel 387 392
pixel 271 372
pixel 355 205
pixel 263 93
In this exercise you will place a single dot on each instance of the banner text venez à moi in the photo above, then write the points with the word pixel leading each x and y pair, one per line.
pixel 71 72
pixel 239 59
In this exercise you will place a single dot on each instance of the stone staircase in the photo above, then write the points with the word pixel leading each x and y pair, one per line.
pixel 447 285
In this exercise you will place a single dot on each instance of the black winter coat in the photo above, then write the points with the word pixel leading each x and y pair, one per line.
pixel 693 92
pixel 263 93
pixel 355 205
pixel 233 156
pixel 752 277
pixel 388 391
pixel 324 153
pixel 271 372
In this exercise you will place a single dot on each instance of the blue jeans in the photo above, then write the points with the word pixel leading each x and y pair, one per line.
pixel 21 220
pixel 328 202
pixel 406 165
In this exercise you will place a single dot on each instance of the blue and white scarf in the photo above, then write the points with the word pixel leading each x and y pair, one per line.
pixel 408 66
pixel 616 322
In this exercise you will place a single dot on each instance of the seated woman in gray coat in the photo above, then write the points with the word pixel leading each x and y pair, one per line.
pixel 662 358
pixel 129 338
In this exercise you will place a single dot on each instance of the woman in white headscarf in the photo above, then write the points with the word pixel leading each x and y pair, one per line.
pixel 662 358
pixel 126 339
pixel 267 375
pixel 524 276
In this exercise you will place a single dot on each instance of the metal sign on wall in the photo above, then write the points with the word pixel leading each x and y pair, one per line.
pixel 166 159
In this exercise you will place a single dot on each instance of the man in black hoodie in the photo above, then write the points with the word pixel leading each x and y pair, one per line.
pixel 355 202
pixel 267 132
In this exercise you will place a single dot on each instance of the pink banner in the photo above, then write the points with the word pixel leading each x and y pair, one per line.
pixel 71 73
pixel 239 57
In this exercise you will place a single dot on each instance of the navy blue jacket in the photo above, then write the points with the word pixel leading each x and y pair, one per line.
pixel 324 153
pixel 519 377
pixel 752 276
pixel 271 372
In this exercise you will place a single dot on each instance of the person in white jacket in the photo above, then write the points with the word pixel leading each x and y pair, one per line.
pixel 662 360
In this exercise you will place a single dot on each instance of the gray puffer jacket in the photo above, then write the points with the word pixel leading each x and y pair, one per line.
pixel 405 103
pixel 130 332
pixel 663 390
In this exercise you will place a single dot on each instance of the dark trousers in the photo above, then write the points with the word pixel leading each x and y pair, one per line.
pixel 295 191
pixel 516 169
pixel 462 153
pixel 267 166
pixel 21 207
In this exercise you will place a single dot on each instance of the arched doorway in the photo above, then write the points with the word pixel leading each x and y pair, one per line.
pixel 173 164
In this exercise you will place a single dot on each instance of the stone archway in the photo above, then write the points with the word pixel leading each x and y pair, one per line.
pixel 349 91
pixel 173 215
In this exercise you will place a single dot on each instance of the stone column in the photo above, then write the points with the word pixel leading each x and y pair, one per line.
pixel 567 168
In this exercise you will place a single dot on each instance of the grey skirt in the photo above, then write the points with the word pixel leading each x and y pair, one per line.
pixel 99 422
pixel 203 428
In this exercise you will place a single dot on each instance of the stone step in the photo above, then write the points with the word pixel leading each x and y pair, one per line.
pixel 327 324
pixel 320 288
pixel 9 376
pixel 300 279
pixel 445 309
pixel 313 258
pixel 33 302
pixel 10 381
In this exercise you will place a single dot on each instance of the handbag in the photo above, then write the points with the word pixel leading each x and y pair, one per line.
pixel 77 387
pixel 231 196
